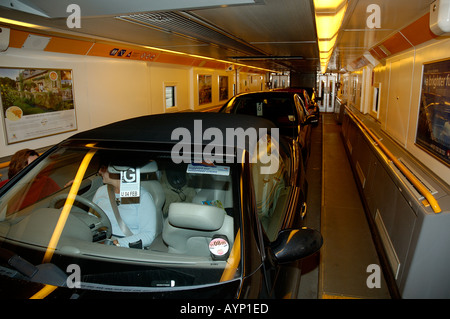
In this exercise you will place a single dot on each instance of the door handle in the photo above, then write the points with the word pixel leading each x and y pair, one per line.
pixel 303 210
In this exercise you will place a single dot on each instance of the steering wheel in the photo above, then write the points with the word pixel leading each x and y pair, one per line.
pixel 100 214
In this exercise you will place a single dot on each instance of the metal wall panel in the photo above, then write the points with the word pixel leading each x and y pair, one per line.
pixel 415 241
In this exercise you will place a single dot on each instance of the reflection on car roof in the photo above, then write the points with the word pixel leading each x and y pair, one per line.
pixel 159 127
pixel 265 94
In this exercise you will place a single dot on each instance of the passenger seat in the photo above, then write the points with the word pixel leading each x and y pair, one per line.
pixel 190 227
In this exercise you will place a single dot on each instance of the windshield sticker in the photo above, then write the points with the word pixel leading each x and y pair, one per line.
pixel 130 182
pixel 218 246
pixel 259 108
pixel 216 203
pixel 208 169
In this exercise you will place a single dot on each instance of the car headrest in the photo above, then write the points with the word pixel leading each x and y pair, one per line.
pixel 150 167
pixel 195 216
pixel 116 169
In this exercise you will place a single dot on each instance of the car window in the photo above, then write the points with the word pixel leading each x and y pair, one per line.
pixel 181 218
pixel 307 99
pixel 271 193
pixel 300 108
pixel 281 110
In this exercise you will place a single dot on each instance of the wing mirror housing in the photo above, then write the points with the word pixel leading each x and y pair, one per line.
pixel 295 244
pixel 312 119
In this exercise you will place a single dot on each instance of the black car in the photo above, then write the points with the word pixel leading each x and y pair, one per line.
pixel 286 110
pixel 224 213
pixel 308 96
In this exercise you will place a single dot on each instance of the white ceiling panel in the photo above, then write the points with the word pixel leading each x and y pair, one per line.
pixel 58 9
pixel 275 34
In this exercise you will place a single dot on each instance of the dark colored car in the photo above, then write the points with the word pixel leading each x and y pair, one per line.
pixel 285 109
pixel 308 96
pixel 226 213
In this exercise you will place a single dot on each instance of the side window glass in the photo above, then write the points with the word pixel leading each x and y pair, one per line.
pixel 170 96
pixel 300 107
pixel 271 193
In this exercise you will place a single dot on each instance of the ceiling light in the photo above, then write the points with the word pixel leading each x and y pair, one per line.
pixel 322 5
pixel 328 24
pixel 329 15
pixel 22 24
pixel 327 45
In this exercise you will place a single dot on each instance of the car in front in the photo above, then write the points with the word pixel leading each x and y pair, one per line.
pixel 285 109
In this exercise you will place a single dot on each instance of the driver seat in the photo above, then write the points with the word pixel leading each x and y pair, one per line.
pixel 150 182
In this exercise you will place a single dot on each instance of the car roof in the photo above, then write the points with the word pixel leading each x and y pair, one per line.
pixel 265 94
pixel 289 89
pixel 158 128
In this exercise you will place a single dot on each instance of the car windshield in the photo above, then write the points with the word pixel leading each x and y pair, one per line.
pixel 271 107
pixel 280 109
pixel 177 223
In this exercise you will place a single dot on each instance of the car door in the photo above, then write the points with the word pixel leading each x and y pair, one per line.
pixel 304 133
pixel 273 194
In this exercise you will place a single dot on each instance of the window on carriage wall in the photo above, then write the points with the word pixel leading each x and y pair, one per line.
pixel 170 92
pixel 376 100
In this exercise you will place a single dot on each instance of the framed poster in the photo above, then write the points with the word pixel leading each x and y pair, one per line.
pixel 36 103
pixel 433 127
pixel 223 88
pixel 204 89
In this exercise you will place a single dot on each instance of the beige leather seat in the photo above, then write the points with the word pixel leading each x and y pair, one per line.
pixel 220 190
pixel 153 186
pixel 190 227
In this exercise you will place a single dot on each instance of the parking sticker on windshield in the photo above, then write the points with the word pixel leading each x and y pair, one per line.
pixel 259 108
pixel 215 203
pixel 130 182
pixel 218 246
pixel 208 169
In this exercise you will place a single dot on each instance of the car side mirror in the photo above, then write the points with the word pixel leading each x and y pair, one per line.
pixel 312 119
pixel 295 244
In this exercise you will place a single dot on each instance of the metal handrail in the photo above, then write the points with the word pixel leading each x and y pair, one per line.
pixel 419 186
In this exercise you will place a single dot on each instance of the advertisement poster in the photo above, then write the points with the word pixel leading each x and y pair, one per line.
pixel 204 89
pixel 433 129
pixel 36 103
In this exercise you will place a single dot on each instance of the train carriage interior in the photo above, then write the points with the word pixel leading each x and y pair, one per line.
pixel 376 73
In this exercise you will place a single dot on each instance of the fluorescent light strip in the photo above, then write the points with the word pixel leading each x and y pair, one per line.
pixel 329 15
pixel 327 5
pixel 23 24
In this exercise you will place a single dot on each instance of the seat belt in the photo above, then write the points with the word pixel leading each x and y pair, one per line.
pixel 112 199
